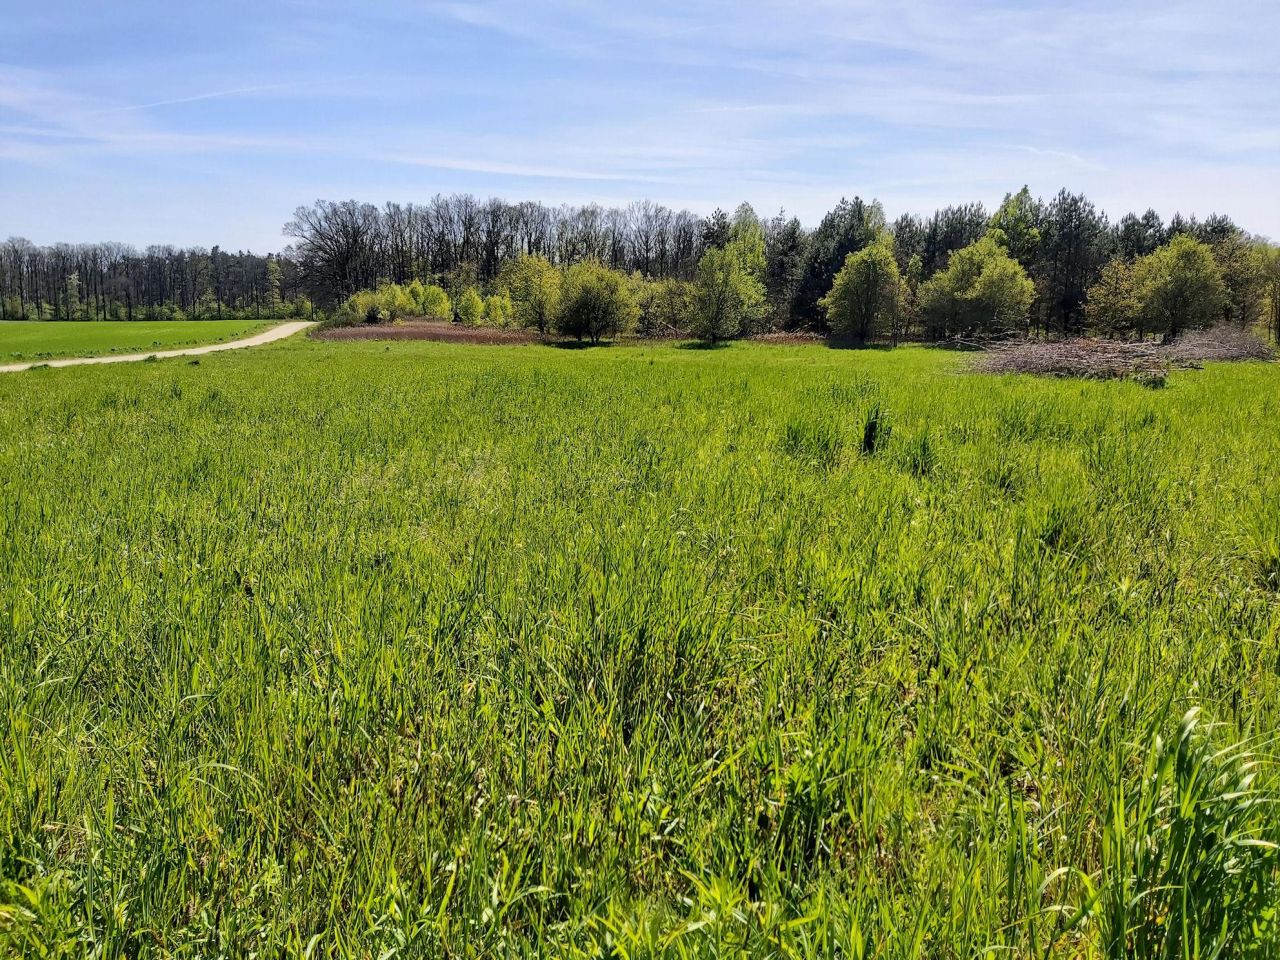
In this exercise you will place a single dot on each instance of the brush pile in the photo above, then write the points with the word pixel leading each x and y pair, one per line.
pixel 1099 359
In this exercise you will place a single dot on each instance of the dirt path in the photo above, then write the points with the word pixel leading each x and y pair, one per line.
pixel 278 332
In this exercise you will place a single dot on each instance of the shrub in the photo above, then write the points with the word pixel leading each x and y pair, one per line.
pixel 596 302
pixel 497 310
pixel 435 303
pixel 471 307
pixel 533 286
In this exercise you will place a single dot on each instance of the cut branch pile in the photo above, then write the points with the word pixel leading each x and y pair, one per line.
pixel 1099 359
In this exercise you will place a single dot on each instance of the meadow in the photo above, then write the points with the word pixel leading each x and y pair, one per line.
pixel 48 339
pixel 420 650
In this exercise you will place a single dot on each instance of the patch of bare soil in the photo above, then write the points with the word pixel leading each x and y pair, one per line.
pixel 1098 359
pixel 438 330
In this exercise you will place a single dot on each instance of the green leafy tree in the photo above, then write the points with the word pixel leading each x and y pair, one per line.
pixel 674 306
pixel 982 291
pixel 645 294
pixel 1017 226
pixel 784 264
pixel 1271 284
pixel 416 292
pixel 435 302
pixel 845 230
pixel 471 307
pixel 1244 276
pixel 729 294
pixel 497 310
pixel 533 285
pixel 1181 287
pixel 746 237
pixel 397 302
pixel 1114 304
pixel 863 301
pixel 595 302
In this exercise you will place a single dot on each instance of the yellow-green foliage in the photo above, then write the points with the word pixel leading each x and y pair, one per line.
pixel 497 310
pixel 363 650
pixel 982 291
pixel 595 302
pixel 435 303
pixel 471 307
pixel 391 301
pixel 863 301
pixel 533 285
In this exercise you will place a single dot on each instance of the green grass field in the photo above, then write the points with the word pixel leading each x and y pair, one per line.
pixel 421 650
pixel 45 340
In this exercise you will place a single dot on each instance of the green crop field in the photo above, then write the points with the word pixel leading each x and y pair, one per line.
pixel 48 339
pixel 348 650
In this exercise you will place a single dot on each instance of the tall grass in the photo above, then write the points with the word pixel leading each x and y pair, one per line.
pixel 340 650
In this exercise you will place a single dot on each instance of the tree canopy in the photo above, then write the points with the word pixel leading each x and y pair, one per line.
pixel 1182 287
pixel 864 297
pixel 982 291
pixel 729 292
pixel 596 302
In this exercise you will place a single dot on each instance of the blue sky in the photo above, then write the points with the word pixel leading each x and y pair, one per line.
pixel 204 123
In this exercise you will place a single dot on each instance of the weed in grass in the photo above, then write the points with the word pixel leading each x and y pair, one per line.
pixel 876 429
pixel 813 441
pixel 918 454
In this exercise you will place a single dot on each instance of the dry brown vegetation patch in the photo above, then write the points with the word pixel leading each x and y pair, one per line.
pixel 439 330
pixel 1099 359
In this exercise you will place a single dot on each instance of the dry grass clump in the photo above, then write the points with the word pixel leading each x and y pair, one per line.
pixel 1100 359
pixel 423 329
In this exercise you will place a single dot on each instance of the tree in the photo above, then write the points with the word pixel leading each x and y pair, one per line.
pixel 715 229
pixel 863 301
pixel 1181 287
pixel 396 301
pixel 1114 307
pixel 1244 275
pixel 1139 236
pixel 471 307
pixel 497 310
pixel 845 230
pixel 674 305
pixel 272 296
pixel 784 249
pixel 336 245
pixel 1271 279
pixel 982 291
pixel 435 302
pixel 664 307
pixel 1075 245
pixel 951 229
pixel 595 302
pixel 1018 224
pixel 728 294
pixel 746 237
pixel 533 285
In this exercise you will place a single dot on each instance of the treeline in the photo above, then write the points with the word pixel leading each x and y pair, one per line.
pixel 112 281
pixel 458 240
pixel 1054 268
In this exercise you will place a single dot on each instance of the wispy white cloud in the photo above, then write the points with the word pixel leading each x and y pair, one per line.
pixel 923 102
